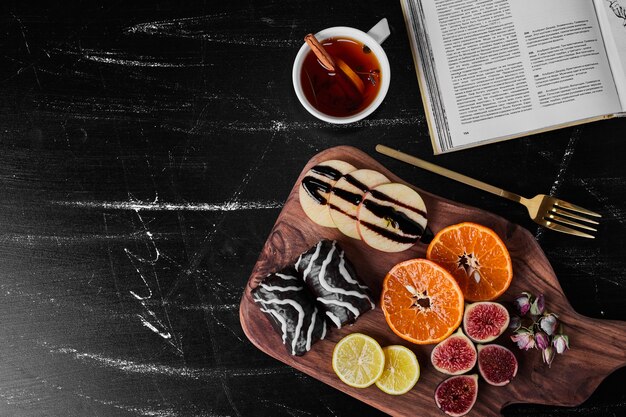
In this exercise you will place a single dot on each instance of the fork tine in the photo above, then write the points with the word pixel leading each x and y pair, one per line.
pixel 564 229
pixel 563 220
pixel 571 215
pixel 570 206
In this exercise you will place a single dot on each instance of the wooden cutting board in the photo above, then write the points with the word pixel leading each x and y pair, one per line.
pixel 597 346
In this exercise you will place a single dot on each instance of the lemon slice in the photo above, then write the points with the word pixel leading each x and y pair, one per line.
pixel 358 360
pixel 402 370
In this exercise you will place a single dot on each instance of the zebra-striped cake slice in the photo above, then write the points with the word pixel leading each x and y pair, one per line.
pixel 283 297
pixel 333 281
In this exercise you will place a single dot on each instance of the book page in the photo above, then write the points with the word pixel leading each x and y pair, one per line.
pixel 506 67
pixel 612 17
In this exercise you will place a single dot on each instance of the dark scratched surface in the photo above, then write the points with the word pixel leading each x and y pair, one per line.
pixel 146 149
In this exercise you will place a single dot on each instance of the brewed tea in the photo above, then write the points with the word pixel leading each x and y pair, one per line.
pixel 332 92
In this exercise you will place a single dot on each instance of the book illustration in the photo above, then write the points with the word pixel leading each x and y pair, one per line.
pixel 618 10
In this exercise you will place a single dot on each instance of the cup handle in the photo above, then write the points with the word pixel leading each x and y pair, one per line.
pixel 380 31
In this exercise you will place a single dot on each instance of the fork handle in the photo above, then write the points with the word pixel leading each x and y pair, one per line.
pixel 428 166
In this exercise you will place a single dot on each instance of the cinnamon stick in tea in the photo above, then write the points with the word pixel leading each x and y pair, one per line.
pixel 325 59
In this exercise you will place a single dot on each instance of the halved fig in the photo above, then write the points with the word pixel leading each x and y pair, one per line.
pixel 496 364
pixel 315 189
pixel 456 395
pixel 454 355
pixel 485 321
pixel 391 217
pixel 346 195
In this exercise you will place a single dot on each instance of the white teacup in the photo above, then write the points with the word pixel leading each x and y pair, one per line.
pixel 372 40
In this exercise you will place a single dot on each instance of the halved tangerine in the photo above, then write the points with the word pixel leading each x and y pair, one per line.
pixel 476 257
pixel 421 301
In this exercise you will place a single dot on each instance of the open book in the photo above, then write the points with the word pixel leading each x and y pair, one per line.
pixel 491 70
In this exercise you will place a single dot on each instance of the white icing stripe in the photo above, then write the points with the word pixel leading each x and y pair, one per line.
pixel 343 304
pixel 323 330
pixel 282 320
pixel 334 319
pixel 313 258
pixel 300 311
pixel 345 274
pixel 286 277
pixel 310 332
pixel 281 289
pixel 334 290
pixel 297 263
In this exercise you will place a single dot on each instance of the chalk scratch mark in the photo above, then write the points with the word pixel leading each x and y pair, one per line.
pixel 163 328
pixel 291 410
pixel 197 28
pixel 23 31
pixel 33 240
pixel 142 410
pixel 207 307
pixel 221 307
pixel 146 323
pixel 274 126
pixel 125 59
pixel 162 206
pixel 111 108
pixel 560 175
pixel 134 367
pixel 591 186
pixel 229 397
pixel 593 264
pixel 142 62
pixel 206 246
pixel 233 201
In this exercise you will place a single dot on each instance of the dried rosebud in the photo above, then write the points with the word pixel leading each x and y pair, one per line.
pixel 541 340
pixel 538 306
pixel 548 355
pixel 515 323
pixel 560 343
pixel 524 339
pixel 522 303
pixel 548 324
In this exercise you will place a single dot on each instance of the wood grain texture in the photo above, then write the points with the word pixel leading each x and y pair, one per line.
pixel 597 345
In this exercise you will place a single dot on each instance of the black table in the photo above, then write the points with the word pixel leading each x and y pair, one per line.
pixel 145 152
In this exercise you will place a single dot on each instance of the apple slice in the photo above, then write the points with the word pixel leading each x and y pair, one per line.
pixel 315 188
pixel 346 196
pixel 391 217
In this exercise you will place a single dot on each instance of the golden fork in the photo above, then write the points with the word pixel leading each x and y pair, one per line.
pixel 545 210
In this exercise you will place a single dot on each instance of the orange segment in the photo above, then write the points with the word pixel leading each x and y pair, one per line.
pixel 421 301
pixel 476 257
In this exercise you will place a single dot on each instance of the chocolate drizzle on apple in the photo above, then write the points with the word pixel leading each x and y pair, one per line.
pixel 314 186
pixel 358 184
pixel 349 196
pixel 364 204
pixel 327 171
pixel 389 234
pixel 340 210
pixel 392 217
pixel 395 218
pixel 384 197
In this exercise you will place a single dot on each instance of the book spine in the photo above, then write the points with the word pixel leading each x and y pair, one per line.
pixel 426 74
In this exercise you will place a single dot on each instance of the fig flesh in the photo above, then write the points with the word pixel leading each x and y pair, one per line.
pixel 454 355
pixel 485 321
pixel 456 395
pixel 496 364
